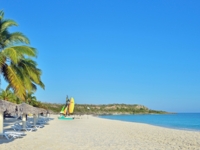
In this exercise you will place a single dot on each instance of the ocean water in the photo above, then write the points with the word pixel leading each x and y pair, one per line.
pixel 183 121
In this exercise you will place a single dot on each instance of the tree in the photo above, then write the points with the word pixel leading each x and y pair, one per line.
pixel 7 95
pixel 30 99
pixel 14 50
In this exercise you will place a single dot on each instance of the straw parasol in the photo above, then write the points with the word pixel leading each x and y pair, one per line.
pixel 7 106
pixel 26 108
pixel 42 110
pixel 34 110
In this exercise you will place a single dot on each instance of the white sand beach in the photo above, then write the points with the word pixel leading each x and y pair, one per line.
pixel 93 133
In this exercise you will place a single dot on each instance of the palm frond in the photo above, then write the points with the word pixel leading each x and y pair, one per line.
pixel 30 66
pixel 34 87
pixel 26 50
pixel 2 60
pixel 11 53
pixel 27 83
pixel 3 36
pixel 15 53
pixel 41 84
pixel 1 15
pixel 8 87
pixel 17 37
pixel 14 80
pixel 6 24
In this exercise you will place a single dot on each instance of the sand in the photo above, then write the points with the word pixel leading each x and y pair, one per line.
pixel 93 133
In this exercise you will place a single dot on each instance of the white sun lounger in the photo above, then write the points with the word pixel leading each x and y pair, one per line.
pixel 42 121
pixel 30 125
pixel 19 128
pixel 10 136
pixel 17 133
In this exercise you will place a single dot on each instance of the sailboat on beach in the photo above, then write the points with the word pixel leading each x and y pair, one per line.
pixel 67 110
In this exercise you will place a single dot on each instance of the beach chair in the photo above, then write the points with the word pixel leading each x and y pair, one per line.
pixel 17 133
pixel 30 125
pixel 17 127
pixel 42 121
pixel 10 136
pixel 46 119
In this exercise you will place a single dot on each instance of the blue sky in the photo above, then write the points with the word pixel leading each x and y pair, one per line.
pixel 104 52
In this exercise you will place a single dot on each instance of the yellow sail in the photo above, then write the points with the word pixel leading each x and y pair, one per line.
pixel 71 105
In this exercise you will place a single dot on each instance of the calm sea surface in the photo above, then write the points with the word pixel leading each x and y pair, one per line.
pixel 184 121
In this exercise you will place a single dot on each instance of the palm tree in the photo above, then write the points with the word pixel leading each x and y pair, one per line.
pixel 30 98
pixel 7 95
pixel 13 50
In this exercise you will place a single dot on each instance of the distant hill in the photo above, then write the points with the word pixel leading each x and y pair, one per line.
pixel 106 109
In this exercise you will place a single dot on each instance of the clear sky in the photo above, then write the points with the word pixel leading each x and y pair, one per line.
pixel 112 51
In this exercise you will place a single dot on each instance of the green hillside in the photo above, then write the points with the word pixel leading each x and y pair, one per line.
pixel 105 109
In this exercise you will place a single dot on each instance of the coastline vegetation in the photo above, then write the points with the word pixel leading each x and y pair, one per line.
pixel 106 109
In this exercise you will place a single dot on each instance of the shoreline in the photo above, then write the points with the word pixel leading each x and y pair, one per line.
pixel 181 129
pixel 95 133
pixel 156 120
pixel 167 127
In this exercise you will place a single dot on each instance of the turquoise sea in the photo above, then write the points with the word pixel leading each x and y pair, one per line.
pixel 184 121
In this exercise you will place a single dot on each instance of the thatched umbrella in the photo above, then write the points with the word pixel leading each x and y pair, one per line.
pixel 26 108
pixel 36 110
pixel 2 107
pixel 7 106
pixel 42 110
